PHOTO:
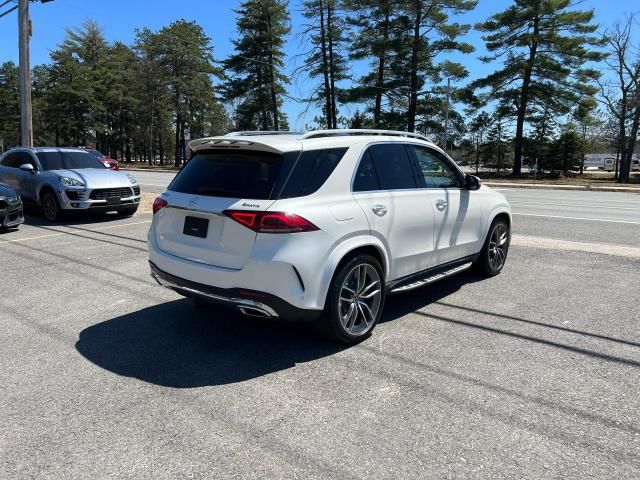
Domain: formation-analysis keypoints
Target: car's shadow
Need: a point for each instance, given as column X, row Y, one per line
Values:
column 176, row 345
column 32, row 218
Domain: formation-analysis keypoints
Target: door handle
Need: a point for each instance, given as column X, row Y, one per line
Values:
column 379, row 210
column 441, row 204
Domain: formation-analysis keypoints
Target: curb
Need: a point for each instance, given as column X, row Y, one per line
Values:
column 551, row 186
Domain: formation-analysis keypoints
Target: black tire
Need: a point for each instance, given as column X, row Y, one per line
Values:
column 496, row 245
column 128, row 211
column 335, row 309
column 50, row 206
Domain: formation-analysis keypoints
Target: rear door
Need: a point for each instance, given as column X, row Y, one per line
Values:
column 193, row 225
column 399, row 213
column 458, row 212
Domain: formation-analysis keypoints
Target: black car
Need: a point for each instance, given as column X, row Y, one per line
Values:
column 11, row 213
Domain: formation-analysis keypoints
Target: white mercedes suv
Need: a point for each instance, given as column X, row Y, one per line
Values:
column 322, row 225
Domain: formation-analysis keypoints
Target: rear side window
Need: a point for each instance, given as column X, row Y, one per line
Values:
column 311, row 171
column 393, row 166
column 234, row 174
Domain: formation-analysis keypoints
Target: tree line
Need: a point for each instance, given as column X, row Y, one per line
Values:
column 145, row 100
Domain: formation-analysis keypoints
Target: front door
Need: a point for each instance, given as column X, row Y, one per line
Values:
column 458, row 214
column 399, row 213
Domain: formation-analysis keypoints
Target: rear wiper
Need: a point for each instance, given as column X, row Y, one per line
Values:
column 216, row 191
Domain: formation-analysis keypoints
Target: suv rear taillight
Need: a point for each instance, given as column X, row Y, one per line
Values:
column 271, row 222
column 159, row 204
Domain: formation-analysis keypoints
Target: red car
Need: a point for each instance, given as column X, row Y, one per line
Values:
column 109, row 163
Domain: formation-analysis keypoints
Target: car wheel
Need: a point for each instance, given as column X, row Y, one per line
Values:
column 355, row 300
column 51, row 207
column 494, row 252
column 127, row 212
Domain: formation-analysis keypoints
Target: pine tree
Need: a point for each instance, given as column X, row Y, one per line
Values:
column 430, row 33
column 257, row 82
column 9, row 105
column 185, row 56
column 326, row 59
column 543, row 46
column 378, row 27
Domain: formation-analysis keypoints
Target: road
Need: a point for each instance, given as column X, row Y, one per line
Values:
column 568, row 215
column 531, row 374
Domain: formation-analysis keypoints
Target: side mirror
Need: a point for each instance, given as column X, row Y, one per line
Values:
column 27, row 167
column 471, row 182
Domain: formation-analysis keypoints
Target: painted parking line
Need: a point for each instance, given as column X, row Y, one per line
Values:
column 69, row 233
column 628, row 222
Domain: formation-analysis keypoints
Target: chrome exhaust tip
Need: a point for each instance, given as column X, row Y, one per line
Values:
column 254, row 312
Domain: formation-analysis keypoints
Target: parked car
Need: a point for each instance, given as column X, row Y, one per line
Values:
column 108, row 162
column 61, row 180
column 323, row 225
column 11, row 214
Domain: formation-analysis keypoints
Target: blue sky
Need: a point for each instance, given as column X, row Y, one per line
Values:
column 120, row 18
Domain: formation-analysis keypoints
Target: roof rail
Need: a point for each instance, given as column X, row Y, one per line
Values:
column 259, row 133
column 362, row 131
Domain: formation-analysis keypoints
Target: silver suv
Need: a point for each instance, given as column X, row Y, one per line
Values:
column 67, row 179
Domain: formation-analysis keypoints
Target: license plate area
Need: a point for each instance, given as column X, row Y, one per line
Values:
column 113, row 201
column 196, row 227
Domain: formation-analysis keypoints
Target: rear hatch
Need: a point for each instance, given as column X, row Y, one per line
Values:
column 193, row 226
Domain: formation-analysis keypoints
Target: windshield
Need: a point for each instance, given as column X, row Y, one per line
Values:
column 62, row 160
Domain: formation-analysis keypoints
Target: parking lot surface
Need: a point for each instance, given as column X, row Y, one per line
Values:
column 531, row 374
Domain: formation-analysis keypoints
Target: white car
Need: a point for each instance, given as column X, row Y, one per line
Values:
column 322, row 225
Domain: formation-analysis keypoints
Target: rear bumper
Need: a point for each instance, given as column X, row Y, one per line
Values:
column 250, row 302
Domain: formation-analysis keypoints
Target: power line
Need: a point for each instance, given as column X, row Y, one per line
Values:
column 8, row 11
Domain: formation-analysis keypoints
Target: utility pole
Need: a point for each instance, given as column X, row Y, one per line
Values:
column 24, row 29
column 446, row 115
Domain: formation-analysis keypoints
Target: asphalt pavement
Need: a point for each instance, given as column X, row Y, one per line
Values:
column 531, row 374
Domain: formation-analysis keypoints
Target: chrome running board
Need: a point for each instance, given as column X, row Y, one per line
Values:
column 432, row 278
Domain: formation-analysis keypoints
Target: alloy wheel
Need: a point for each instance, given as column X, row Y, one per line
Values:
column 50, row 207
column 498, row 244
column 360, row 299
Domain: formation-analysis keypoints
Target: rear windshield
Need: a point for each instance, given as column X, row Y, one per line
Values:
column 256, row 175
column 67, row 160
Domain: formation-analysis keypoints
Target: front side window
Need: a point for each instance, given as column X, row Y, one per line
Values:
column 61, row 160
column 393, row 166
column 25, row 158
column 436, row 170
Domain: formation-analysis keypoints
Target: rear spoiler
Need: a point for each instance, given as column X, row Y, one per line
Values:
column 245, row 143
